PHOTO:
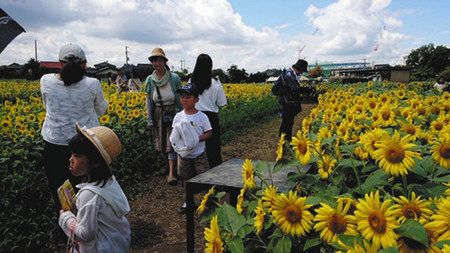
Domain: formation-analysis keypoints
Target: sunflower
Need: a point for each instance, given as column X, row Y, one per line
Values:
column 395, row 155
column 415, row 208
column 387, row 115
column 280, row 146
column 269, row 196
column 259, row 218
column 201, row 208
column 324, row 132
column 291, row 214
column 410, row 129
column 370, row 138
column 240, row 200
column 441, row 151
column 302, row 147
column 440, row 221
column 332, row 222
column 104, row 119
column 436, row 126
column 326, row 165
column 376, row 221
column 248, row 178
column 361, row 153
column 214, row 243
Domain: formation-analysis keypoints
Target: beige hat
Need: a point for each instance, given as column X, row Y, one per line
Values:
column 157, row 52
column 105, row 140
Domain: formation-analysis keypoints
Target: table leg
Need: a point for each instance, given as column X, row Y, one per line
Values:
column 190, row 236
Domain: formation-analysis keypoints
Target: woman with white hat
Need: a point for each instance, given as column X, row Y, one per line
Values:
column 162, row 104
column 69, row 97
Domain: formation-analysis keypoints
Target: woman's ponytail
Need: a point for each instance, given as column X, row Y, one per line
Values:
column 72, row 72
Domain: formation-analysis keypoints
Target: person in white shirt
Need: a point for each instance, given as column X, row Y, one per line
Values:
column 440, row 85
column 211, row 98
column 69, row 97
column 134, row 83
column 99, row 224
column 194, row 129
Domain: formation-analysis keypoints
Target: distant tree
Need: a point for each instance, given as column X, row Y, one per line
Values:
column 237, row 75
column 445, row 74
column 184, row 75
column 32, row 65
column 257, row 77
column 221, row 75
column 428, row 61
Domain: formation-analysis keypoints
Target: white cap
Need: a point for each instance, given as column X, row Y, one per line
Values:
column 71, row 50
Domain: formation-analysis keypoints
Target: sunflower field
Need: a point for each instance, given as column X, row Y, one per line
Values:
column 370, row 173
column 27, row 216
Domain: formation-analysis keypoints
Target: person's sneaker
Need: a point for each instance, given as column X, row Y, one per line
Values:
column 182, row 209
column 171, row 180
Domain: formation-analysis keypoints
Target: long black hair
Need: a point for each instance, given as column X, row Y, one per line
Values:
column 72, row 71
column 201, row 77
column 98, row 170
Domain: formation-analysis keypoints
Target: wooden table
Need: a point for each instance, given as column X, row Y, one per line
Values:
column 226, row 177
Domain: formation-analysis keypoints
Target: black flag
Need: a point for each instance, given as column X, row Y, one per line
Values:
column 9, row 29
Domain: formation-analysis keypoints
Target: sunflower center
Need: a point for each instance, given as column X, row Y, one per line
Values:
column 421, row 111
column 411, row 212
column 395, row 154
column 377, row 222
column 444, row 151
column 337, row 224
column 385, row 115
column 302, row 148
column 410, row 130
column 293, row 214
column 438, row 126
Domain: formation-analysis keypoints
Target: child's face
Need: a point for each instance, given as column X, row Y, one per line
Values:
column 188, row 101
column 78, row 164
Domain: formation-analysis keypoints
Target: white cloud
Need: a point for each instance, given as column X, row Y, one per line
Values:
column 344, row 30
column 352, row 29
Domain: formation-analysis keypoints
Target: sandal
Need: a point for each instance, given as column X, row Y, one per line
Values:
column 171, row 180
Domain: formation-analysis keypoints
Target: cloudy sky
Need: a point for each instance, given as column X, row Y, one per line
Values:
column 253, row 34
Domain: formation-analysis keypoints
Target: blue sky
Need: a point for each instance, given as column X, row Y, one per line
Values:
column 253, row 34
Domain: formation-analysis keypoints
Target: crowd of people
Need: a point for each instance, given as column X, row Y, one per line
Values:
column 183, row 120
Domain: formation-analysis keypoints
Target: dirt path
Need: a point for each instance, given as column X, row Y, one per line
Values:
column 156, row 224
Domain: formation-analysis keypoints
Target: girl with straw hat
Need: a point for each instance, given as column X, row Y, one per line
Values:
column 100, row 224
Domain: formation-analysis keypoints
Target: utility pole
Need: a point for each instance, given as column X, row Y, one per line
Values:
column 182, row 62
column 35, row 50
column 126, row 55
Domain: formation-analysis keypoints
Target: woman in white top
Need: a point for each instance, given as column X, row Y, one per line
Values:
column 69, row 97
column 212, row 96
column 440, row 85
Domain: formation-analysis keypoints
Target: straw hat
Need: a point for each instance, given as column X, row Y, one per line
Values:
column 105, row 140
column 157, row 52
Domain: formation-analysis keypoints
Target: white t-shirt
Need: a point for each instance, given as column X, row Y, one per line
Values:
column 201, row 124
column 212, row 98
column 439, row 86
column 65, row 106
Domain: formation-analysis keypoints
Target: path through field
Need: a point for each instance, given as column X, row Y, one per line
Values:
column 156, row 224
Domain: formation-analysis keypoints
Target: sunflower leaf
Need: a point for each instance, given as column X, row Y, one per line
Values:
column 283, row 245
column 413, row 230
column 311, row 243
column 430, row 189
column 236, row 245
column 441, row 244
column 389, row 250
column 230, row 218
column 374, row 180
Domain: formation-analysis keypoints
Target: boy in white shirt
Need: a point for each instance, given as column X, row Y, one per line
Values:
column 188, row 125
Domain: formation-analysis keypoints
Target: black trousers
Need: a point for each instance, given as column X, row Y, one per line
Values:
column 56, row 165
column 213, row 148
column 287, row 121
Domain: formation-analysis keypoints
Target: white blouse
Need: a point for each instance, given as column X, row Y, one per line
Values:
column 65, row 106
column 212, row 98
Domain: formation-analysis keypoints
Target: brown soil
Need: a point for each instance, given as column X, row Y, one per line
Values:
column 158, row 227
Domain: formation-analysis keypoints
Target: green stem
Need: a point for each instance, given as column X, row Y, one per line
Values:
column 434, row 171
column 405, row 185
column 357, row 176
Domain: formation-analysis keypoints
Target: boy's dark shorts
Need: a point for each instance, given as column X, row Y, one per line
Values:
column 190, row 167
